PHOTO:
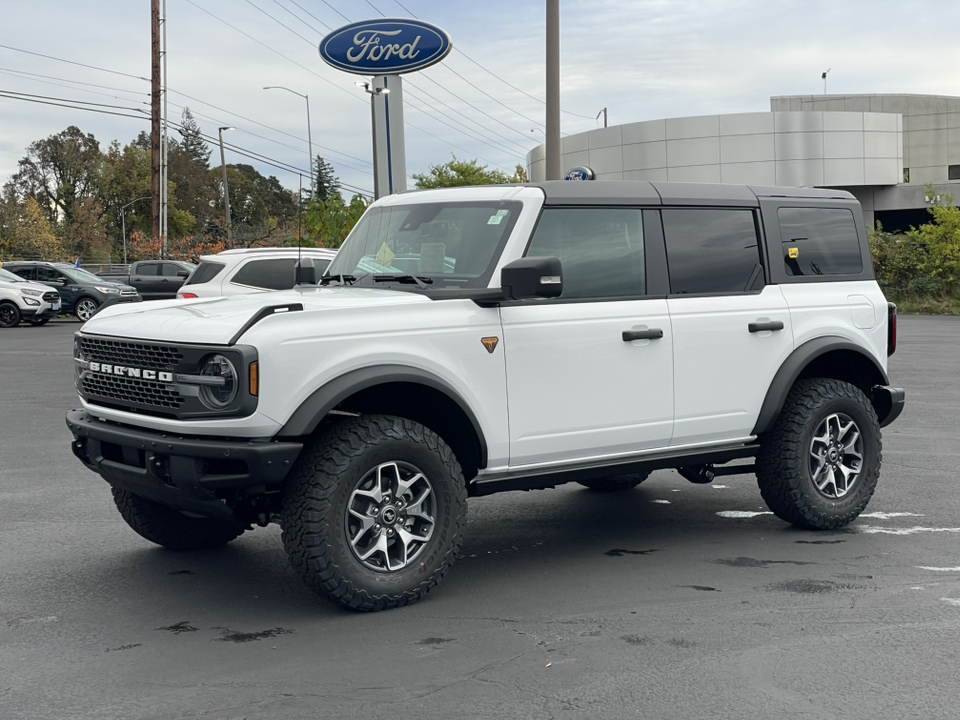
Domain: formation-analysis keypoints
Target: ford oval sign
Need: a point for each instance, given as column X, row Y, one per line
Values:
column 385, row 47
column 580, row 173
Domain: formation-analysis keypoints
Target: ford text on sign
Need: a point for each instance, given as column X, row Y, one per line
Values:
column 385, row 47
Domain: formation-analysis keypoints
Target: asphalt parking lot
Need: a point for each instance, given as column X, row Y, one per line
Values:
column 670, row 601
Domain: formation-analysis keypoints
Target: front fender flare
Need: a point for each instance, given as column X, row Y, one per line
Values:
column 794, row 365
column 324, row 399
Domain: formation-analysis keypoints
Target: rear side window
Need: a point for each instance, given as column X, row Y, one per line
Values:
column 205, row 272
column 711, row 250
column 600, row 250
column 820, row 241
column 276, row 274
column 24, row 272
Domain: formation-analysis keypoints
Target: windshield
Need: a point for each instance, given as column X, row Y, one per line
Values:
column 8, row 276
column 81, row 275
column 452, row 244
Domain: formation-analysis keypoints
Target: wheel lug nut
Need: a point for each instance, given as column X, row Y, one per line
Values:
column 376, row 527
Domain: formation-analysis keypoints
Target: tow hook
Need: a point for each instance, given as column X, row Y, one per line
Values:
column 699, row 474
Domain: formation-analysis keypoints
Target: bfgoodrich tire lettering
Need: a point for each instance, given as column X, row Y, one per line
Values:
column 615, row 483
column 355, row 487
column 818, row 466
column 170, row 528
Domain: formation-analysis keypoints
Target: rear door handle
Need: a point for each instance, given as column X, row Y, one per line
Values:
column 651, row 334
column 756, row 327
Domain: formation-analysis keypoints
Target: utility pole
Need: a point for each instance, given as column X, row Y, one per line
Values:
column 226, row 190
column 553, row 91
column 155, row 114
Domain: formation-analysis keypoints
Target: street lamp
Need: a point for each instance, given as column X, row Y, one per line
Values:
column 226, row 191
column 373, row 125
column 313, row 177
column 123, row 223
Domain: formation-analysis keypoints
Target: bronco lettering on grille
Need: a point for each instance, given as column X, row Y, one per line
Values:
column 131, row 372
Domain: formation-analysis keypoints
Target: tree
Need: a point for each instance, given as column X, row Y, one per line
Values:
column 193, row 143
column 327, row 182
column 457, row 173
column 34, row 236
column 328, row 222
column 260, row 207
column 59, row 172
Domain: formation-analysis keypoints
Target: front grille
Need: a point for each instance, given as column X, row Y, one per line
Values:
column 130, row 354
column 128, row 292
column 51, row 297
column 132, row 390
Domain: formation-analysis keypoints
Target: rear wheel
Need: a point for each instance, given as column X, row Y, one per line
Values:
column 819, row 465
column 168, row 527
column 9, row 315
column 373, row 513
column 85, row 309
column 617, row 483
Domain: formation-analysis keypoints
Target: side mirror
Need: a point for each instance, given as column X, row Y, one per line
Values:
column 305, row 272
column 532, row 277
column 182, row 273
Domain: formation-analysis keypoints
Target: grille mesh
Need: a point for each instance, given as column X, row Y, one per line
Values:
column 141, row 355
column 122, row 389
column 51, row 297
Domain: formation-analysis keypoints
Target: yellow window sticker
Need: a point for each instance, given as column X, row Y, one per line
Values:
column 793, row 253
column 386, row 255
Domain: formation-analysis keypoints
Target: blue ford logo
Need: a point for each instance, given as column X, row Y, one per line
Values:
column 580, row 173
column 385, row 47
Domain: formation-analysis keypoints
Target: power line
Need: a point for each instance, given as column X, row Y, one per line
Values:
column 92, row 67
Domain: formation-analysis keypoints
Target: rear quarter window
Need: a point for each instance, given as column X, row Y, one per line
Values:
column 819, row 241
column 205, row 272
column 273, row 274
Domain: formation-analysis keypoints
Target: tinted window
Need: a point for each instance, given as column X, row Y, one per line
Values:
column 452, row 243
column 45, row 274
column 205, row 272
column 147, row 269
column 600, row 249
column 711, row 251
column 276, row 274
column 820, row 241
column 24, row 272
column 171, row 270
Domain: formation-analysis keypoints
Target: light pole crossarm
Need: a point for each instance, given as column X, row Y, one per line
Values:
column 313, row 176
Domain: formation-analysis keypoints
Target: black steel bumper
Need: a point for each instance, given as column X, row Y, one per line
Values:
column 187, row 473
column 889, row 402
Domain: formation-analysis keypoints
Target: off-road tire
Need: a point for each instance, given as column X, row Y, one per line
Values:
column 616, row 483
column 783, row 464
column 318, row 494
column 85, row 308
column 172, row 529
column 9, row 315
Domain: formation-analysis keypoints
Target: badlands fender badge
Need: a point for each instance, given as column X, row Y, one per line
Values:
column 490, row 343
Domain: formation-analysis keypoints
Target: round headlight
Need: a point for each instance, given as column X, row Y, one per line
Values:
column 218, row 396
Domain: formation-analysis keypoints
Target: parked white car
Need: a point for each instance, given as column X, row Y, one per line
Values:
column 250, row 270
column 21, row 300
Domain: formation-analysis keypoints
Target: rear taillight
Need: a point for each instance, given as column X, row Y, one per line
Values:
column 891, row 329
column 187, row 296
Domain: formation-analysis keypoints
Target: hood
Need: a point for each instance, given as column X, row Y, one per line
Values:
column 216, row 321
column 25, row 284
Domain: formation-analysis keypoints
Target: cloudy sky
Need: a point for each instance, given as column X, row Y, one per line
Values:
column 641, row 59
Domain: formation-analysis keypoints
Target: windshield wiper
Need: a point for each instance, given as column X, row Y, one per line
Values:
column 342, row 279
column 421, row 282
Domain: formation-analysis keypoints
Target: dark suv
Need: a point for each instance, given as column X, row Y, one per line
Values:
column 81, row 292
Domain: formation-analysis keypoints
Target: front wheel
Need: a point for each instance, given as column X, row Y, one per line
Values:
column 85, row 309
column 819, row 465
column 165, row 526
column 9, row 315
column 373, row 512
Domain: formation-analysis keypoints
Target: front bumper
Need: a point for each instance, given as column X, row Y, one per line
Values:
column 195, row 474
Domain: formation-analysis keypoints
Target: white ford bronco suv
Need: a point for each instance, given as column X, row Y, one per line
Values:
column 475, row 340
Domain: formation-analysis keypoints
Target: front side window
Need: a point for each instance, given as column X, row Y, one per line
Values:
column 600, row 250
column 45, row 274
column 711, row 250
column 820, row 241
column 451, row 244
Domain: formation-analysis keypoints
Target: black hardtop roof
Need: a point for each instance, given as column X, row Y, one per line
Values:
column 642, row 192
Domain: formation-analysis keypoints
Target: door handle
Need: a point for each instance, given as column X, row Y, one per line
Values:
column 756, row 327
column 651, row 334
